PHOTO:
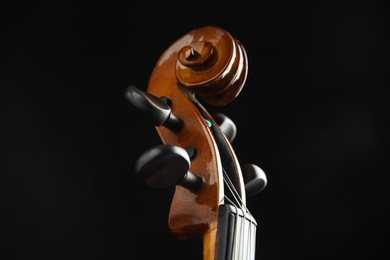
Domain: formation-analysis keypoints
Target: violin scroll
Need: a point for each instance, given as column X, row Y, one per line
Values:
column 212, row 65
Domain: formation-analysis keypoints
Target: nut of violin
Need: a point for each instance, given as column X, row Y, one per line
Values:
column 213, row 65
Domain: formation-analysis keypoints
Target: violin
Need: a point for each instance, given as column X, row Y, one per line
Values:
column 196, row 156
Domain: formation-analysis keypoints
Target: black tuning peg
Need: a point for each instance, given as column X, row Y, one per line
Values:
column 254, row 178
column 166, row 165
column 157, row 109
column 227, row 126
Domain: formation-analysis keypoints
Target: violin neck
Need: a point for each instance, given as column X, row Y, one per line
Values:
column 234, row 238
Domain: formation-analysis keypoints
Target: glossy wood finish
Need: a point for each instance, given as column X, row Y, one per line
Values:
column 210, row 62
column 213, row 65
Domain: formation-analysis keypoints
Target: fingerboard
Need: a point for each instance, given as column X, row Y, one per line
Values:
column 236, row 234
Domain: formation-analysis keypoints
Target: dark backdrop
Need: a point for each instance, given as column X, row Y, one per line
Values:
column 314, row 114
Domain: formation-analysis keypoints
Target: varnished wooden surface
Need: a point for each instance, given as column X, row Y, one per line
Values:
column 194, row 214
column 212, row 64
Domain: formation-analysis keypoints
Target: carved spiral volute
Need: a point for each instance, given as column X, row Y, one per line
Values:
column 213, row 65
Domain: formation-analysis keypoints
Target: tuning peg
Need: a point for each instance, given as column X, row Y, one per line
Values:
column 254, row 178
column 227, row 126
column 166, row 165
column 157, row 109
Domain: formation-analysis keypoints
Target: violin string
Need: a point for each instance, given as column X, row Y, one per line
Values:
column 233, row 190
column 236, row 251
column 236, row 201
column 235, row 204
column 237, row 240
column 245, row 237
column 253, row 241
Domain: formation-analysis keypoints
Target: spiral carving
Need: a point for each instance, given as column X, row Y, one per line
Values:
column 213, row 65
column 199, row 56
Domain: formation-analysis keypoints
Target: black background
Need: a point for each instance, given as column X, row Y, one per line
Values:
column 314, row 114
